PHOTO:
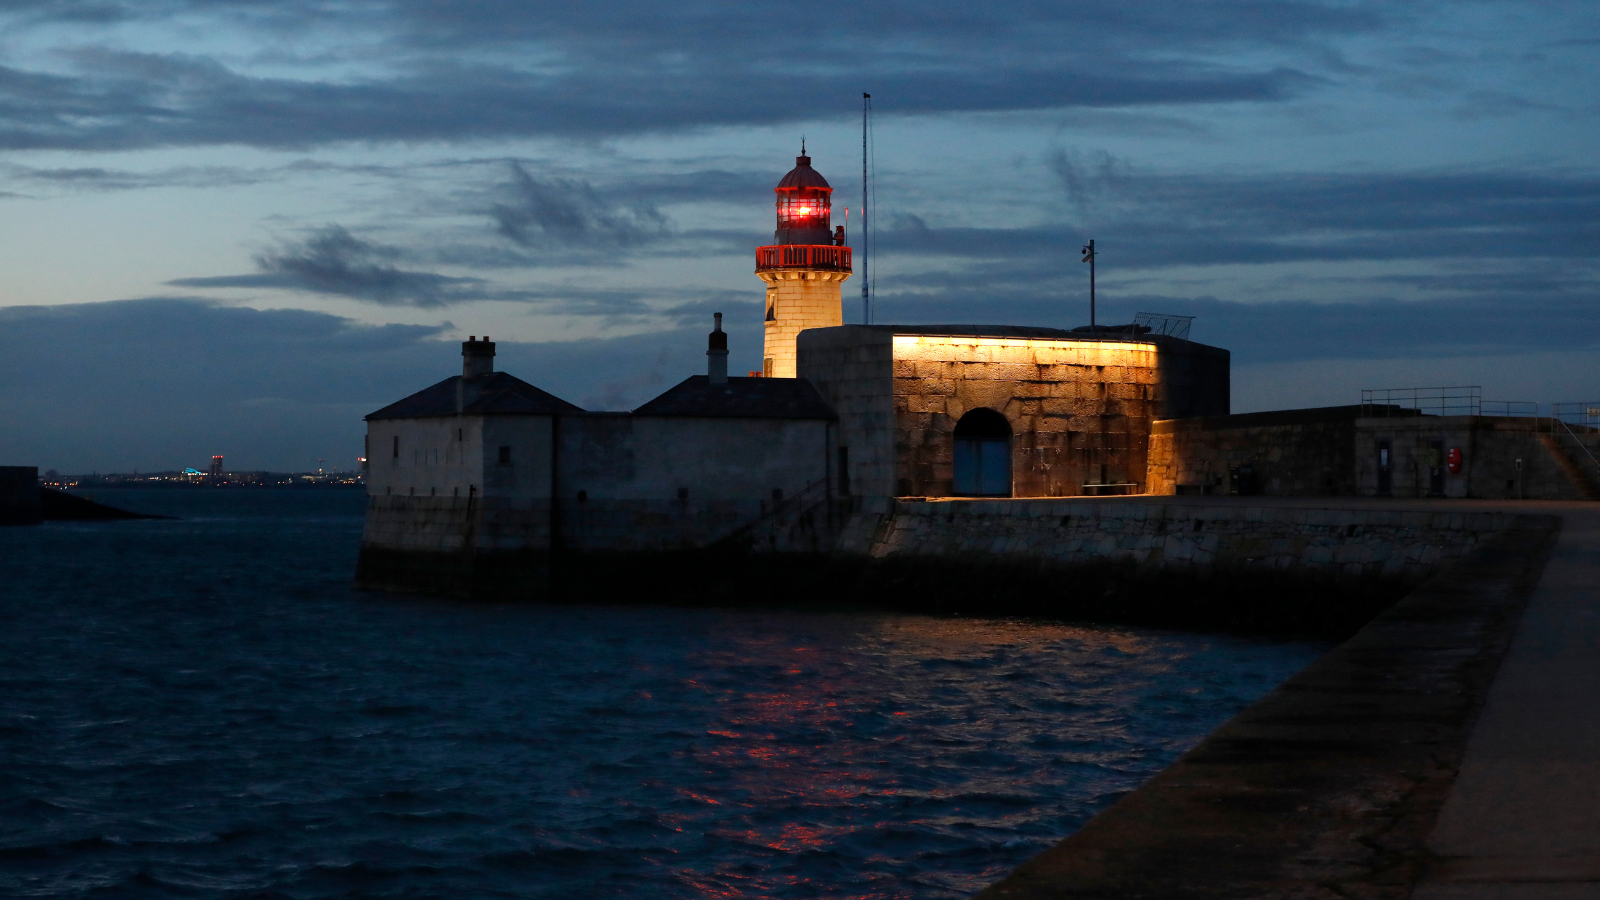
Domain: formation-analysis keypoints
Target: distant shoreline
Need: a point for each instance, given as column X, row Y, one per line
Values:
column 191, row 486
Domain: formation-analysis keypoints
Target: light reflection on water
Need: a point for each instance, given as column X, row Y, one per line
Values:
column 204, row 708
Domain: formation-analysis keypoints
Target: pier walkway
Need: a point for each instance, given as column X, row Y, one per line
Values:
column 1523, row 818
column 1448, row 751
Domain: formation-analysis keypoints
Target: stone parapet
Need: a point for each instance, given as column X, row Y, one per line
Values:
column 1343, row 545
column 1330, row 785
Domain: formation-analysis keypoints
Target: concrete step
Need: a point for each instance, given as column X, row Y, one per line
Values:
column 1575, row 464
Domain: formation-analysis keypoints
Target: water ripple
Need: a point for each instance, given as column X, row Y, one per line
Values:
column 203, row 708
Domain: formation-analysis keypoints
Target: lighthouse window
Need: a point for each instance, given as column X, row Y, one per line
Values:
column 505, row 456
column 800, row 211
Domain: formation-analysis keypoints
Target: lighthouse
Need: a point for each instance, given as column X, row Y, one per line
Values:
column 804, row 268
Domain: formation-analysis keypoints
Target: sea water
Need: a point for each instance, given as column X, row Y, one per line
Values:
column 205, row 708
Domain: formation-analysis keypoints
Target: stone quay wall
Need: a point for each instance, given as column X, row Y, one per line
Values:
column 456, row 524
column 1343, row 544
column 1230, row 566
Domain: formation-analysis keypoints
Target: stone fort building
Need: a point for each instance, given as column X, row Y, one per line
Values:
column 483, row 474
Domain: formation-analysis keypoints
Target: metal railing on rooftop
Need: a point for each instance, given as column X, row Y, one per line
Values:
column 1570, row 424
column 1458, row 400
column 1581, row 415
column 1161, row 323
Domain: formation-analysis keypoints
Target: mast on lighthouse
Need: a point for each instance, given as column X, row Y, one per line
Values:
column 806, row 267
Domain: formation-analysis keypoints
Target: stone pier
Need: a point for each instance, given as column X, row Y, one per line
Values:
column 1445, row 752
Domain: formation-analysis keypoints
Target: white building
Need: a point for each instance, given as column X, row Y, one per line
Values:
column 484, row 472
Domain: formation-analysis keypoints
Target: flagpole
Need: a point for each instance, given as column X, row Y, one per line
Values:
column 1088, row 257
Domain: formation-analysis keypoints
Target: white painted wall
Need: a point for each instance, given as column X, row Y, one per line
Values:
column 437, row 457
column 651, row 457
column 527, row 476
column 609, row 456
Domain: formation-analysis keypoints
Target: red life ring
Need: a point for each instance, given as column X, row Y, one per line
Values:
column 1452, row 460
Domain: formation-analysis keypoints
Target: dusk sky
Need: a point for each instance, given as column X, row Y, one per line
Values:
column 237, row 227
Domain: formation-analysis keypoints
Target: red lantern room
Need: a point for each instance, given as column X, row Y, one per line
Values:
column 804, row 206
column 805, row 238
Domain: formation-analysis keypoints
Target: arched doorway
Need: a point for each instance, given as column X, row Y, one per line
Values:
column 983, row 455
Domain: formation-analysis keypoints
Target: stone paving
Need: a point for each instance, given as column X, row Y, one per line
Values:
column 1449, row 751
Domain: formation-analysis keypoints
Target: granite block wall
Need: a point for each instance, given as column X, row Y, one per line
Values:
column 1291, row 453
column 1491, row 447
column 1334, row 451
column 853, row 367
column 1349, row 547
column 1079, row 411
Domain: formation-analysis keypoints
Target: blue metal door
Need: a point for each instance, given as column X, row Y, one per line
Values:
column 982, row 468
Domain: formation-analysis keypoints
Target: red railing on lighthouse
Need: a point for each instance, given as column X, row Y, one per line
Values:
column 803, row 256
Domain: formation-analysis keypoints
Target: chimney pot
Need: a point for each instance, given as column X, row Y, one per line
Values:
column 477, row 357
column 717, row 354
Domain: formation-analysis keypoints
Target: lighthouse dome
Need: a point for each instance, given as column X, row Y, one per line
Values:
column 803, row 176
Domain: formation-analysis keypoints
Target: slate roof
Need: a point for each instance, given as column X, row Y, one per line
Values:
column 495, row 394
column 746, row 398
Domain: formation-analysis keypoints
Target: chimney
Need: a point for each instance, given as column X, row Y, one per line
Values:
column 717, row 355
column 477, row 357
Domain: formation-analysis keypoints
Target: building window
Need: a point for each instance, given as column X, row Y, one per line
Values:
column 505, row 456
column 983, row 455
column 458, row 435
column 397, row 446
column 683, row 493
column 844, row 471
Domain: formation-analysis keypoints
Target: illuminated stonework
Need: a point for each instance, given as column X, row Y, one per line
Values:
column 797, row 300
column 1078, row 412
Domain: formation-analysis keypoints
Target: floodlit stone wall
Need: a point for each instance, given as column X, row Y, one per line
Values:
column 1294, row 453
column 1080, row 411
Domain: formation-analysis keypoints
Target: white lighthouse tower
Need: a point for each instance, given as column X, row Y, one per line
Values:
column 805, row 269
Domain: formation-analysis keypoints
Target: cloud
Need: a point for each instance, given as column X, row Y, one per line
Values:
column 571, row 213
column 497, row 70
column 333, row 261
column 1148, row 220
column 100, row 178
